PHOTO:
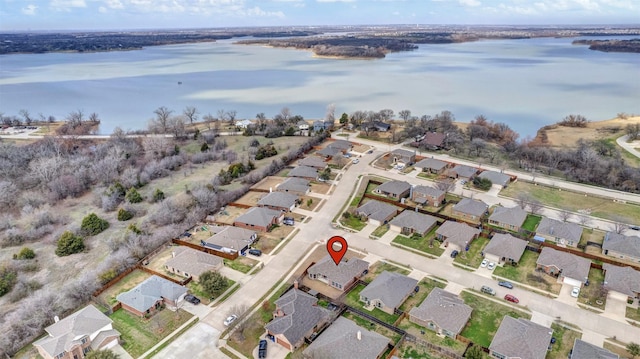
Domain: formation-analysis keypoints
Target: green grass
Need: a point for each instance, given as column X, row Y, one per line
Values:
column 353, row 299
column 429, row 336
column 633, row 313
column 241, row 264
column 353, row 222
column 593, row 294
column 531, row 223
column 525, row 273
column 421, row 243
column 428, row 175
column 128, row 282
column 472, row 258
column 139, row 335
column 565, row 338
column 486, row 318
column 205, row 297
column 380, row 231
column 356, row 201
column 380, row 267
column 426, row 286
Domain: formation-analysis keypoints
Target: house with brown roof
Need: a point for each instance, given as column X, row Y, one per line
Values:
column 621, row 246
column 568, row 268
column 376, row 212
column 151, row 295
column 305, row 172
column 403, row 156
column 563, row 233
column 230, row 239
column 431, row 165
column 431, row 141
column 584, row 350
column 295, row 185
column 429, row 196
column 296, row 317
column 388, row 291
column 456, row 234
column 339, row 276
column 510, row 219
column 346, row 339
column 313, row 161
column 410, row 222
column 394, row 189
column 520, row 339
column 504, row 248
column 471, row 209
column 462, row 172
column 622, row 279
column 188, row 262
column 443, row 312
column 259, row 219
column 74, row 336
column 279, row 201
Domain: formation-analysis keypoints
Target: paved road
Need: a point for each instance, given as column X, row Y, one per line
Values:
column 629, row 146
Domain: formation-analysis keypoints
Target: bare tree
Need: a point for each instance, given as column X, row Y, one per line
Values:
column 93, row 117
column 535, row 206
column 584, row 220
column 619, row 227
column 404, row 114
column 162, row 117
column 523, row 200
column 231, row 115
column 191, row 113
column 221, row 115
column 565, row 215
column 26, row 116
column 331, row 113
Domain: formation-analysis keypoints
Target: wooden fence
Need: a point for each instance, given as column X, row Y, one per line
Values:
column 222, row 254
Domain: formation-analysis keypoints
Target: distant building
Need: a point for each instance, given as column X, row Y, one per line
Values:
column 305, row 172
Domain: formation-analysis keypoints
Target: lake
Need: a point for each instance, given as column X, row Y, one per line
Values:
column 524, row 83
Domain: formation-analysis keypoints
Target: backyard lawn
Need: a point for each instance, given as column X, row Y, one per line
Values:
column 198, row 291
column 426, row 285
column 431, row 337
column 353, row 299
column 421, row 243
column 241, row 264
column 531, row 223
column 525, row 272
column 486, row 318
column 594, row 295
column 472, row 258
column 565, row 338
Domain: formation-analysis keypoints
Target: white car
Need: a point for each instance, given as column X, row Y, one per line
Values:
column 484, row 263
column 230, row 319
column 355, row 160
column 575, row 292
column 491, row 266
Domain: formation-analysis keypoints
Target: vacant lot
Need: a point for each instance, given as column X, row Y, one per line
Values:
column 128, row 282
column 525, row 272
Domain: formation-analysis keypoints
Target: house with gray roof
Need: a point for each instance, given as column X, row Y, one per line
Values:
column 230, row 239
column 496, row 178
column 409, row 222
column 346, row 339
column 431, row 165
column 188, row 262
column 622, row 279
column 584, row 350
column 376, row 212
column 443, row 312
column 295, row 185
column 296, row 317
column 77, row 334
column 403, row 156
column 456, row 234
column 394, row 189
column 388, row 291
column 313, row 161
column 426, row 195
column 339, row 276
column 279, row 201
column 510, row 219
column 471, row 209
column 621, row 246
column 463, row 172
column 150, row 295
column 563, row 233
column 520, row 339
column 305, row 172
column 259, row 219
column 504, row 248
column 329, row 152
column 569, row 268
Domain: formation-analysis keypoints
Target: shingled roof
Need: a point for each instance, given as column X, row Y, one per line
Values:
column 464, row 171
column 192, row 261
column 628, row 245
column 146, row 294
column 427, row 191
column 377, row 210
column 390, row 288
column 584, row 350
column 312, row 161
column 295, row 184
column 345, row 339
column 259, row 216
column 458, row 233
column 278, row 199
column 507, row 246
column 303, row 171
column 417, row 221
column 230, row 237
column 394, row 187
column 342, row 273
column 514, row 216
column 431, row 163
column 521, row 338
column 555, row 228
column 625, row 280
column 571, row 265
column 446, row 309
column 496, row 177
column 471, row 206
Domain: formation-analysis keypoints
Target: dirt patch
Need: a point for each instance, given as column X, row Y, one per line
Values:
column 321, row 188
column 229, row 214
column 267, row 183
column 312, row 201
column 251, row 198
column 361, row 148
column 569, row 136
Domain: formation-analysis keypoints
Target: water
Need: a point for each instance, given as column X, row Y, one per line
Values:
column 524, row 83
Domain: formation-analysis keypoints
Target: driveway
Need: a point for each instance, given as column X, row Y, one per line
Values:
column 565, row 295
column 201, row 341
column 616, row 306
column 274, row 351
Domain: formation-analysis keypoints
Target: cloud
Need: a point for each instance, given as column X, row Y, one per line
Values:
column 29, row 9
column 114, row 4
column 336, row 0
column 258, row 12
column 470, row 3
column 66, row 5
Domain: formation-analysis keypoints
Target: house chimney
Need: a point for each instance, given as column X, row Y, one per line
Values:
column 359, row 335
column 56, row 319
column 295, row 284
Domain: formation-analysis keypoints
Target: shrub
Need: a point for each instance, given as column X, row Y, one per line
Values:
column 213, row 282
column 69, row 244
column 204, row 147
column 92, row 224
column 124, row 215
column 25, row 253
column 133, row 196
column 8, row 277
column 106, row 276
column 482, row 183
column 158, row 195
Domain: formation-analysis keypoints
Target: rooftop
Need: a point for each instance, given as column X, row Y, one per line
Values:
column 521, row 338
column 278, row 199
column 345, row 339
column 431, row 163
column 390, row 288
column 342, row 273
column 496, row 177
column 514, row 216
column 629, row 245
column 259, row 216
column 458, row 233
column 377, row 210
column 625, row 280
column 417, row 221
column 559, row 229
column 303, row 171
column 571, row 265
column 146, row 294
column 506, row 245
column 394, row 187
column 471, row 206
column 192, row 261
column 446, row 309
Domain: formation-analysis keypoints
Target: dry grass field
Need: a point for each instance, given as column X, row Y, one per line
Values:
column 267, row 183
column 251, row 198
column 569, row 136
column 229, row 214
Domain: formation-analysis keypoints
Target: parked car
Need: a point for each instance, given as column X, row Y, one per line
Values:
column 347, row 155
column 487, row 290
column 192, row 299
column 454, row 253
column 484, row 263
column 635, row 228
column 575, row 292
column 506, row 284
column 262, row 349
column 511, row 298
column 289, row 221
column 355, row 161
column 230, row 319
column 370, row 151
column 491, row 266
column 255, row 252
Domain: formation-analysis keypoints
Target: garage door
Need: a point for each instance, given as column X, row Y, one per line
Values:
column 617, row 295
column 572, row 282
column 492, row 258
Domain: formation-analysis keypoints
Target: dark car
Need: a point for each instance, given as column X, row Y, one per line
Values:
column 454, row 253
column 289, row 221
column 255, row 252
column 192, row 299
column 635, row 228
column 511, row 298
column 506, row 284
column 262, row 349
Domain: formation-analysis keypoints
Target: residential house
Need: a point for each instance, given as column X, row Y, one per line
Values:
column 313, row 161
column 376, row 212
column 339, row 276
column 149, row 296
column 296, row 317
column 230, row 239
column 388, row 291
column 329, row 152
column 377, row 126
column 259, row 219
column 623, row 280
column 443, row 312
column 433, row 141
column 188, row 262
column 346, row 339
column 563, row 233
column 504, row 248
column 429, row 196
column 456, row 234
column 403, row 156
column 74, row 336
column 520, row 339
column 305, row 172
column 394, row 189
column 243, row 124
column 295, row 185
column 569, row 268
column 621, row 246
column 471, row 209
column 431, row 165
column 343, row 145
column 409, row 222
column 279, row 201
column 496, row 178
column 322, row 125
column 463, row 172
column 510, row 219
column 302, row 126
column 584, row 350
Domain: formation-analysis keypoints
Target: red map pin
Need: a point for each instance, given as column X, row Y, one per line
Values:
column 337, row 255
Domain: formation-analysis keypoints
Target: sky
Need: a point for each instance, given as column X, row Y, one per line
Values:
column 19, row 15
